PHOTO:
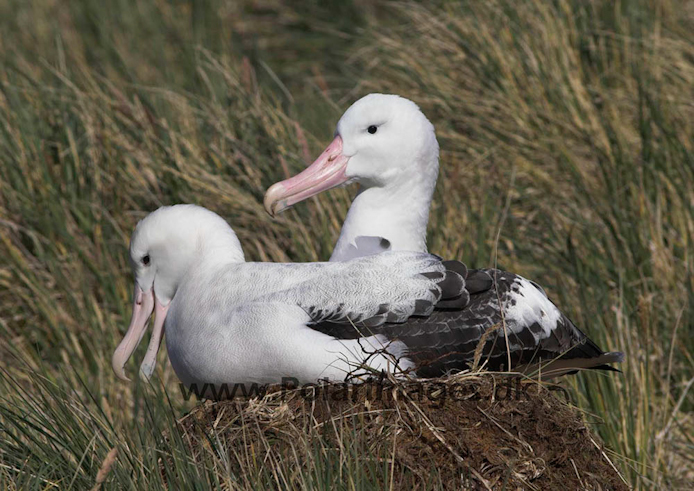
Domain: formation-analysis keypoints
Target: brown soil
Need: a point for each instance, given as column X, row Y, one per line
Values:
column 476, row 432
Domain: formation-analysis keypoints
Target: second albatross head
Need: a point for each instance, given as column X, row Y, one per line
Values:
column 165, row 246
column 382, row 140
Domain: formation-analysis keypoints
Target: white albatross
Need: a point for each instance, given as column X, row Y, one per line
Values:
column 385, row 143
column 228, row 321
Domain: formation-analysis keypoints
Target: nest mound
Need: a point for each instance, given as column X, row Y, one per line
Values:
column 475, row 432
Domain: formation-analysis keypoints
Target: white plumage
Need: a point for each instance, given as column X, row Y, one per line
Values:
column 228, row 321
column 385, row 143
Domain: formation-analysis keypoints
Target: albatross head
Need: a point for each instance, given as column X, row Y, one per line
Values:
column 164, row 247
column 381, row 141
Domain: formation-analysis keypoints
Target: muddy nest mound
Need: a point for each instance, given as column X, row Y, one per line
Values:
column 475, row 431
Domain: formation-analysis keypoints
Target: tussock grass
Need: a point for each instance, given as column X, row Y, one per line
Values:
column 565, row 129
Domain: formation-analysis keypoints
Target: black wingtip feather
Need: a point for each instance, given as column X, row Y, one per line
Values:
column 608, row 368
column 458, row 302
column 457, row 267
column 453, row 285
column 478, row 281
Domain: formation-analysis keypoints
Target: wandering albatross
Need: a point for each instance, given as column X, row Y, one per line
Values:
column 387, row 145
column 234, row 322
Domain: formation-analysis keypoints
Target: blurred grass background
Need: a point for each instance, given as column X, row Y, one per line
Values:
column 567, row 125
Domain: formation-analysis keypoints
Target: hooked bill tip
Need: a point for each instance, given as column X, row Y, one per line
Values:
column 120, row 373
column 273, row 202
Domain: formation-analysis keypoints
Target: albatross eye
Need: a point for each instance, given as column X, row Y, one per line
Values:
column 372, row 129
column 145, row 260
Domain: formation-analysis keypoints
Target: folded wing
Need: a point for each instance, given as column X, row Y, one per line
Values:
column 370, row 291
column 506, row 318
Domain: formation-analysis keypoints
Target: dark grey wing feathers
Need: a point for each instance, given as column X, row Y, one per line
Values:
column 478, row 281
column 447, row 339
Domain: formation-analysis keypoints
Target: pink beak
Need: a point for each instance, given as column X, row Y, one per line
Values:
column 144, row 304
column 325, row 173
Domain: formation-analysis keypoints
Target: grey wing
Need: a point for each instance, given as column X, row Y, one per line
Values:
column 442, row 342
column 514, row 320
column 512, row 315
column 369, row 291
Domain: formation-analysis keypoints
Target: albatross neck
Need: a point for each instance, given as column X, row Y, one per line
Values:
column 398, row 212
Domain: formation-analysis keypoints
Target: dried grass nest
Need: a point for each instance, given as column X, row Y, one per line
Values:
column 472, row 431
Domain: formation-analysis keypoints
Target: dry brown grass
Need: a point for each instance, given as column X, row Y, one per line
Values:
column 470, row 431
